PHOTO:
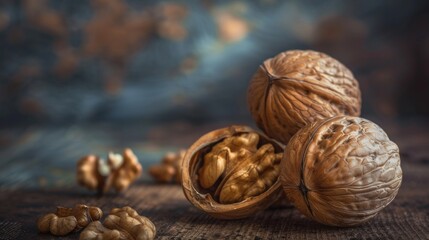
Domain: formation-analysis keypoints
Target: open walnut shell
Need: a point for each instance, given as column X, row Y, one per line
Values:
column 233, row 172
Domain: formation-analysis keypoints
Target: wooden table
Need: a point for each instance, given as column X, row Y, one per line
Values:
column 36, row 175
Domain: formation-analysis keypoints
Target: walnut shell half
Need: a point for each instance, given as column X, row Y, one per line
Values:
column 232, row 173
column 341, row 171
column 298, row 87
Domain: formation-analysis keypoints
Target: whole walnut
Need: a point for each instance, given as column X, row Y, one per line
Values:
column 298, row 87
column 341, row 171
column 232, row 173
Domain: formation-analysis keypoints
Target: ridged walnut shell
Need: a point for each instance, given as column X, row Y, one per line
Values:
column 341, row 171
column 204, row 199
column 298, row 87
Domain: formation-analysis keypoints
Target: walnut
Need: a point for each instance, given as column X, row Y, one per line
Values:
column 55, row 225
column 125, row 172
column 118, row 172
column 341, row 171
column 298, row 87
column 232, row 172
column 66, row 220
column 162, row 173
column 122, row 224
column 96, row 231
column 169, row 168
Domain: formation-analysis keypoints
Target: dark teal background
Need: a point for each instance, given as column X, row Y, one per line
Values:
column 73, row 62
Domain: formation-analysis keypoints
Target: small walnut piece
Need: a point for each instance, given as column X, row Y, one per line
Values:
column 162, row 173
column 89, row 169
column 118, row 172
column 341, row 171
column 66, row 220
column 58, row 226
column 232, row 172
column 298, row 87
column 169, row 168
column 96, row 231
column 124, row 171
column 121, row 224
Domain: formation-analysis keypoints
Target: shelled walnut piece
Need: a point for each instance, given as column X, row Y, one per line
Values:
column 169, row 168
column 341, row 171
column 121, row 224
column 232, row 172
column 66, row 220
column 118, row 172
column 298, row 87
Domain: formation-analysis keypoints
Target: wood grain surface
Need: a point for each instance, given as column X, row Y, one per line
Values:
column 407, row 217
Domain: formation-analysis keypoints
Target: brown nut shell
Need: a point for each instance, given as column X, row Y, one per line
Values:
column 298, row 87
column 205, row 199
column 341, row 171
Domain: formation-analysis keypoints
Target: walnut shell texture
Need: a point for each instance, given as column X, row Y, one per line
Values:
column 298, row 87
column 232, row 173
column 341, row 171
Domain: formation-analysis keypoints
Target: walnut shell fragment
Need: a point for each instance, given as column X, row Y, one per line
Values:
column 298, row 87
column 232, row 173
column 341, row 171
column 121, row 224
column 66, row 220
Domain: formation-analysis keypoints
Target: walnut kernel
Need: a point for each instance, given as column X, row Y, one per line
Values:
column 66, row 220
column 169, row 168
column 121, row 224
column 118, row 172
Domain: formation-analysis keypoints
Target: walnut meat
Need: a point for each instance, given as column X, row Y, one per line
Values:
column 66, row 220
column 341, row 171
column 125, row 171
column 232, row 172
column 118, row 172
column 298, row 87
column 58, row 226
column 121, row 224
column 169, row 168
column 96, row 231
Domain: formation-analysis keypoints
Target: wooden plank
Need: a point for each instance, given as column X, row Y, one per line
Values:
column 405, row 218
column 37, row 174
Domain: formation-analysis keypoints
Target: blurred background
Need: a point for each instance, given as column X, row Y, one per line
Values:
column 88, row 76
column 67, row 62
